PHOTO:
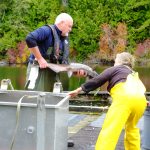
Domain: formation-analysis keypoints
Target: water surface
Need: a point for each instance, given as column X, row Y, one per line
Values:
column 17, row 75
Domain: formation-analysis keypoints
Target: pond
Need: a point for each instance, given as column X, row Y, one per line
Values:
column 17, row 75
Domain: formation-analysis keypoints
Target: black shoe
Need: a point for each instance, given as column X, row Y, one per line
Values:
column 70, row 143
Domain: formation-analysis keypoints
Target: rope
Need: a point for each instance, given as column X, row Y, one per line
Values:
column 17, row 118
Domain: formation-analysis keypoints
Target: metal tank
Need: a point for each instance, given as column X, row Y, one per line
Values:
column 31, row 120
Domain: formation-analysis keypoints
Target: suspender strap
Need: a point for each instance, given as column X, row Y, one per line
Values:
column 56, row 51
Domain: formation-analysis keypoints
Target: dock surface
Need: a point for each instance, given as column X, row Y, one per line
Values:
column 84, row 129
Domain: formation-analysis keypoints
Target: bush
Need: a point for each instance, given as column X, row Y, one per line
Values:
column 18, row 17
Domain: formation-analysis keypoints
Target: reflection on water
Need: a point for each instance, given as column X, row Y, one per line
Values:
column 17, row 74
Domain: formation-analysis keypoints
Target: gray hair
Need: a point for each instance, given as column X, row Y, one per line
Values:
column 125, row 58
column 63, row 17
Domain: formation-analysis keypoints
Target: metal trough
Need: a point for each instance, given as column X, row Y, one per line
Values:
column 37, row 122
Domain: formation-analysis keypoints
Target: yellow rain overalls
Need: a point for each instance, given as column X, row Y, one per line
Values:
column 125, row 112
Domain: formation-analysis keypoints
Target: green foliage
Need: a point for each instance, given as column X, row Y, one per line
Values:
column 18, row 17
column 89, row 15
column 22, row 17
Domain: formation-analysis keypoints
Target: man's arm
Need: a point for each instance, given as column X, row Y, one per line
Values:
column 42, row 62
column 32, row 40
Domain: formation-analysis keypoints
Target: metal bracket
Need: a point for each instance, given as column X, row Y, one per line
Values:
column 5, row 83
column 41, row 101
column 41, row 116
column 57, row 87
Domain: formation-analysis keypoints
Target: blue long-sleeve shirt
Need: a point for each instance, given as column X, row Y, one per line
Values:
column 43, row 38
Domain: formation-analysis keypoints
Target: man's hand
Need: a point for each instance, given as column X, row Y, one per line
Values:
column 80, row 73
column 42, row 63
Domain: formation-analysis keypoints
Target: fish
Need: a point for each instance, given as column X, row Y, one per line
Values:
column 71, row 68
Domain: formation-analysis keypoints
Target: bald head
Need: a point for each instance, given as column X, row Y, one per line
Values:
column 63, row 17
column 64, row 22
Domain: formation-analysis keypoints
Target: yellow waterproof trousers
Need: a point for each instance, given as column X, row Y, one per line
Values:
column 125, row 112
